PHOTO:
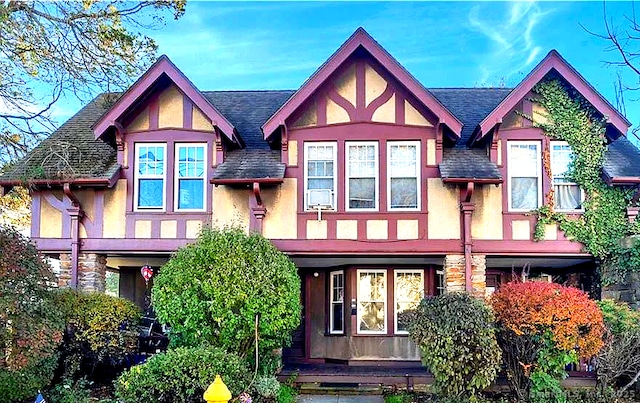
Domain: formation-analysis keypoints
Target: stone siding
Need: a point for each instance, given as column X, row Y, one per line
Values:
column 92, row 269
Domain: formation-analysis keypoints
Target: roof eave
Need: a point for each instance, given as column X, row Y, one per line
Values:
column 488, row 181
column 246, row 181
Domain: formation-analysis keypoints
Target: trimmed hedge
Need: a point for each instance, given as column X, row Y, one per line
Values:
column 182, row 375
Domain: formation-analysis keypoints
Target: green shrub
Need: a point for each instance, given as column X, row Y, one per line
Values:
column 100, row 329
column 456, row 336
column 182, row 375
column 617, row 362
column 286, row 394
column 211, row 291
column 70, row 392
column 267, row 387
column 30, row 325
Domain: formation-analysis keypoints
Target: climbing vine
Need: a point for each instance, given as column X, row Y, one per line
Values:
column 603, row 225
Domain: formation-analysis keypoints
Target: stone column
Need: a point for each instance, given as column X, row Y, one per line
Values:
column 454, row 273
column 479, row 275
column 92, row 269
column 64, row 277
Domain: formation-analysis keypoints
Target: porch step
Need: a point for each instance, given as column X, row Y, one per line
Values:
column 336, row 388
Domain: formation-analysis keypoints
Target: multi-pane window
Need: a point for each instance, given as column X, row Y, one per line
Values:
column 336, row 313
column 403, row 174
column 372, row 298
column 190, row 175
column 320, row 175
column 567, row 195
column 150, row 184
column 525, row 187
column 409, row 290
column 362, row 175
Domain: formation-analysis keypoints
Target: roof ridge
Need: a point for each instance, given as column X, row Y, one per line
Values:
column 218, row 91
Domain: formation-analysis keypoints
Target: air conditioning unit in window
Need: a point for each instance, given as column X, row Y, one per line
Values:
column 320, row 199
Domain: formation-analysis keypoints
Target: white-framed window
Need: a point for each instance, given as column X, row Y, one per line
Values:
column 362, row 175
column 524, row 175
column 150, row 185
column 190, row 190
column 408, row 291
column 403, row 175
column 320, row 176
column 336, row 310
column 567, row 195
column 441, row 287
column 372, row 301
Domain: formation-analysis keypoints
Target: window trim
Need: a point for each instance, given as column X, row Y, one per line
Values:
column 510, row 175
column 308, row 144
column 551, row 158
column 417, row 145
column 137, row 177
column 395, row 294
column 347, row 176
column 176, row 185
column 385, row 301
column 332, row 302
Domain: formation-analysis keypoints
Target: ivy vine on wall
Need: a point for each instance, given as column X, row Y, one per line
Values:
column 603, row 225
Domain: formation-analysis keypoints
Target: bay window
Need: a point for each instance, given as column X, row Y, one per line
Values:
column 524, row 172
column 320, row 175
column 362, row 175
column 190, row 170
column 403, row 182
column 408, row 291
column 567, row 195
column 150, row 176
column 372, row 301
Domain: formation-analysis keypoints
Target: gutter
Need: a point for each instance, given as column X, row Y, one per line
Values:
column 246, row 181
column 489, row 181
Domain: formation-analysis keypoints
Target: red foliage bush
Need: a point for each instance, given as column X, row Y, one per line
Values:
column 534, row 308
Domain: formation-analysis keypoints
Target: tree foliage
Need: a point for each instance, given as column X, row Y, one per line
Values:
column 542, row 327
column 30, row 324
column 211, row 291
column 68, row 48
column 456, row 336
column 99, row 329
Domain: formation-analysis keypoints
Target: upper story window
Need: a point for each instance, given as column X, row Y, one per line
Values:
column 567, row 195
column 525, row 175
column 362, row 175
column 150, row 182
column 190, row 175
column 403, row 185
column 320, row 175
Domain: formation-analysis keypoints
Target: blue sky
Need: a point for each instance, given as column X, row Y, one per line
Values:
column 266, row 45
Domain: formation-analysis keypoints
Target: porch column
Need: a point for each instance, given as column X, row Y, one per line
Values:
column 455, row 278
column 92, row 269
column 454, row 274
column 478, row 275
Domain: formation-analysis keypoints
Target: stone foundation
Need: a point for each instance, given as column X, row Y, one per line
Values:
column 92, row 269
column 626, row 291
column 454, row 276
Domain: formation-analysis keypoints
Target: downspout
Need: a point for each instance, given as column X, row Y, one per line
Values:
column 76, row 214
column 467, row 207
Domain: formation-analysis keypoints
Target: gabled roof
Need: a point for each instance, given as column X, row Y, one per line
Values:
column 553, row 61
column 163, row 66
column 361, row 38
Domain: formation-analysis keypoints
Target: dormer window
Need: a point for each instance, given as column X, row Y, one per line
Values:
column 150, row 182
column 567, row 195
column 190, row 189
column 320, row 175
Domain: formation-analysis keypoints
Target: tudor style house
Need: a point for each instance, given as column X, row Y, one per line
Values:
column 380, row 190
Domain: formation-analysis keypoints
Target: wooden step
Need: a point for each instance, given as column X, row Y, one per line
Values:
column 335, row 388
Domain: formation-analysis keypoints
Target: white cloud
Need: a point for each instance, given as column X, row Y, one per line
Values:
column 512, row 42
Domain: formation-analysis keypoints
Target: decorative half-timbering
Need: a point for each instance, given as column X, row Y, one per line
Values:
column 380, row 190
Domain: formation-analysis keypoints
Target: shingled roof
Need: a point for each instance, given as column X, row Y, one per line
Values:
column 470, row 105
column 72, row 152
